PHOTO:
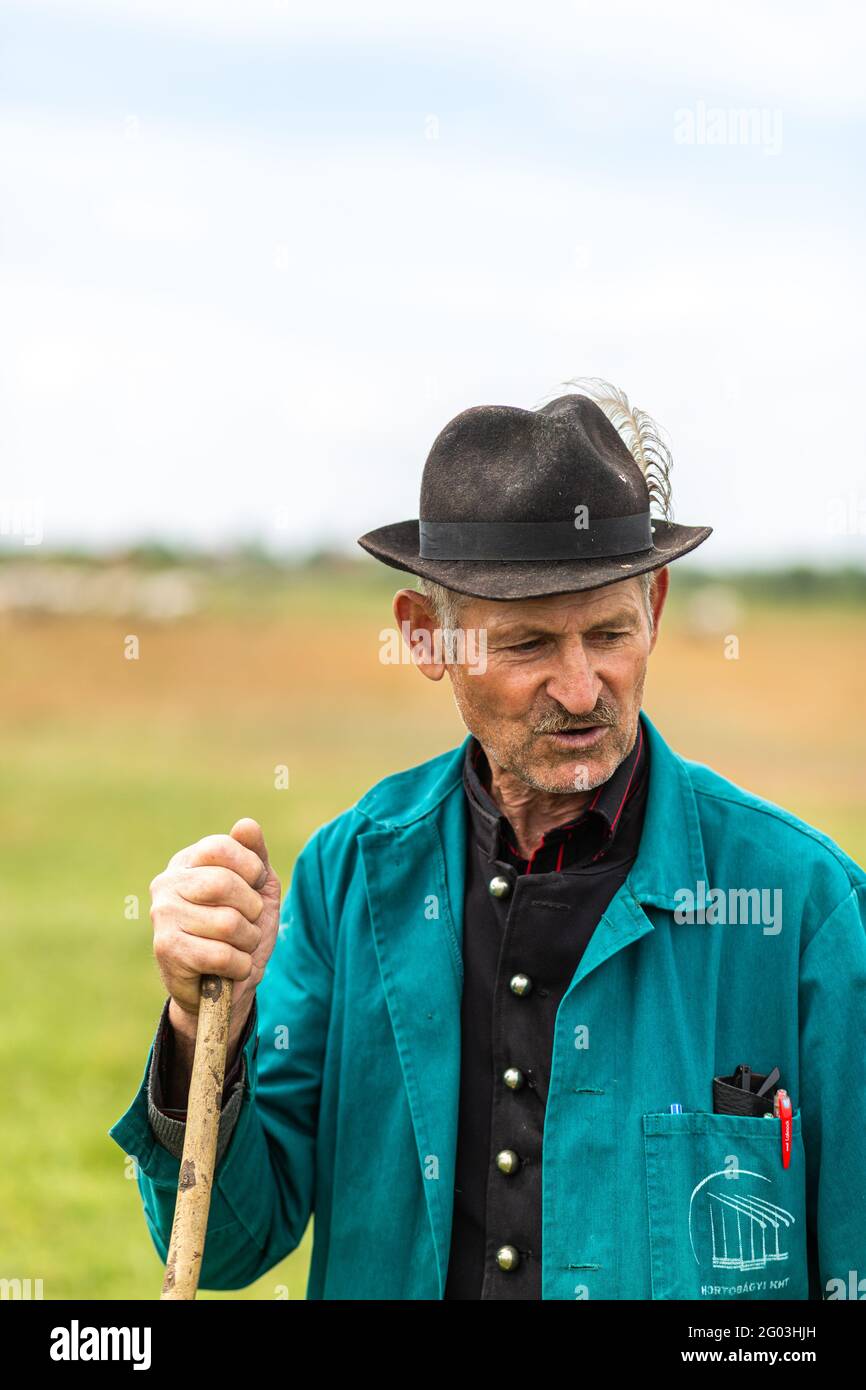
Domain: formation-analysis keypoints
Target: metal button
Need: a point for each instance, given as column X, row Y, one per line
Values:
column 499, row 886
column 520, row 984
column 507, row 1161
column 513, row 1078
column 507, row 1257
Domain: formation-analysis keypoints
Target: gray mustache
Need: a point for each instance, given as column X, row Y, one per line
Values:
column 603, row 714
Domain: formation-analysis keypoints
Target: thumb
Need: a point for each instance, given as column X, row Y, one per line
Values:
column 248, row 833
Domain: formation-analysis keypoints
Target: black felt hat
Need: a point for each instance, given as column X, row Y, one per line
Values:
column 520, row 503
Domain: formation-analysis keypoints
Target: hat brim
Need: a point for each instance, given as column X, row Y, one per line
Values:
column 398, row 544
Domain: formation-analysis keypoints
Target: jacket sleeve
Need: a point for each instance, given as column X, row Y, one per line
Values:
column 262, row 1195
column 833, row 1095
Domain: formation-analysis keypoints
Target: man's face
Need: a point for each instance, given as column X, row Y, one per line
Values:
column 557, row 705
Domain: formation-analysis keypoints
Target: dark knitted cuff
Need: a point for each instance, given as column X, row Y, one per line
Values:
column 169, row 1124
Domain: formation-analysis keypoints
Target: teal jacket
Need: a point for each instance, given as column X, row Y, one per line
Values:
column 350, row 1111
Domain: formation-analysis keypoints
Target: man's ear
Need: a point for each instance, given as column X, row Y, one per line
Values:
column 658, row 596
column 418, row 625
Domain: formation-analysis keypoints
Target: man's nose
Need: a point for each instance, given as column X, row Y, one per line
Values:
column 575, row 684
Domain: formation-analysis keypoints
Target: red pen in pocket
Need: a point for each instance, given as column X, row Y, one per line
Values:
column 783, row 1110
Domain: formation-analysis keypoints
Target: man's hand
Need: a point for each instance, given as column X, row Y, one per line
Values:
column 215, row 911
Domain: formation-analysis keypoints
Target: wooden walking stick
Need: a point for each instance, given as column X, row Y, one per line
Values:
column 189, row 1229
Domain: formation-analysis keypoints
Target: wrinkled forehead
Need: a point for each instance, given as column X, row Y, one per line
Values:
column 555, row 611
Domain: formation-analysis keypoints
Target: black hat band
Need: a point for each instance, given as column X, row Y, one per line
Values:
column 535, row 540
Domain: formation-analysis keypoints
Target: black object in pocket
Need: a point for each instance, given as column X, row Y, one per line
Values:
column 731, row 1098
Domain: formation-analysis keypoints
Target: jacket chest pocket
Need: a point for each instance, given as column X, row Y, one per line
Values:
column 726, row 1220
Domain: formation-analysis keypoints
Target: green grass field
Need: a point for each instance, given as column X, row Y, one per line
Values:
column 109, row 766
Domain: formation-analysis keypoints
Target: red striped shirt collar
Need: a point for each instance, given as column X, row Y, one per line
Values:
column 495, row 835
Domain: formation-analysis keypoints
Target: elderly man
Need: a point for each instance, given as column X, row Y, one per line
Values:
column 556, row 1014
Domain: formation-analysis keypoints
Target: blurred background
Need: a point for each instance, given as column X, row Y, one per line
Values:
column 253, row 259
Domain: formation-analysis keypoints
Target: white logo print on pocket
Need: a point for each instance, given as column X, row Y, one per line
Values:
column 737, row 1229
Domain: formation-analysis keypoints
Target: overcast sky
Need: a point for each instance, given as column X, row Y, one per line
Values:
column 256, row 254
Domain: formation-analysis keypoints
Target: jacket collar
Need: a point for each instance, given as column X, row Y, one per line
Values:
column 671, row 854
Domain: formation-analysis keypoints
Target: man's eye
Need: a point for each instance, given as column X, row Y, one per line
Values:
column 609, row 636
column 526, row 646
